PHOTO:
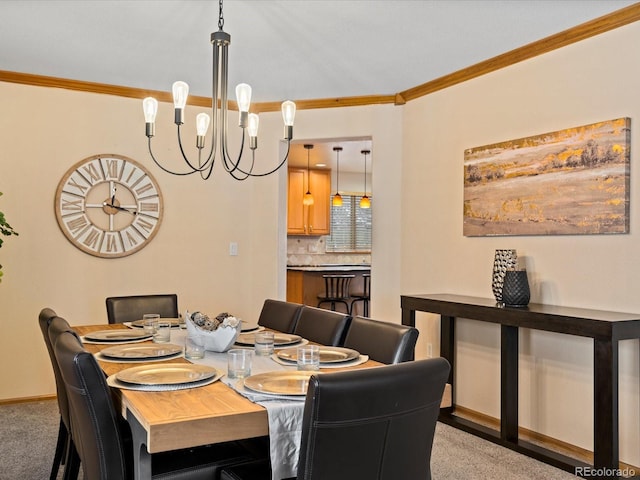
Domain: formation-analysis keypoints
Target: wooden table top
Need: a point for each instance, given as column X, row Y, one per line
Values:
column 185, row 418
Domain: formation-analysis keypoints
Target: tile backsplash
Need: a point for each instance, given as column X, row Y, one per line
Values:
column 312, row 251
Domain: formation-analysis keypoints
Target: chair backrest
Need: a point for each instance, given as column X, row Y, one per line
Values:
column 337, row 286
column 131, row 308
column 52, row 326
column 95, row 425
column 383, row 341
column 322, row 326
column 279, row 315
column 372, row 424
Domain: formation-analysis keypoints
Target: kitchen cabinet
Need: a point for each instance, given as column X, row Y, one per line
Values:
column 309, row 219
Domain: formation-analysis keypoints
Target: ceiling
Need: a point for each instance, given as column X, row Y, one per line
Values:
column 285, row 49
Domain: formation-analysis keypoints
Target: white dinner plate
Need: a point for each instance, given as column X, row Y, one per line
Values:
column 327, row 354
column 166, row 374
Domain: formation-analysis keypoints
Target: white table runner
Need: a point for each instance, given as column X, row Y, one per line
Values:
column 284, row 412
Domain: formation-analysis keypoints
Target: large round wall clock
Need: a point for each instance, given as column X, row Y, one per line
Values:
column 108, row 206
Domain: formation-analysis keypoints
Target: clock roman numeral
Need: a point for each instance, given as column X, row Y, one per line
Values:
column 111, row 243
column 91, row 239
column 149, row 207
column 144, row 225
column 73, row 183
column 111, row 168
column 77, row 224
column 71, row 204
column 92, row 172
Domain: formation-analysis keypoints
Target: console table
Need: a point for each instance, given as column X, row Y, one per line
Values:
column 605, row 328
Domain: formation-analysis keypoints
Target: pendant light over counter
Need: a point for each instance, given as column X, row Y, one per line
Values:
column 365, row 202
column 308, row 198
column 337, row 198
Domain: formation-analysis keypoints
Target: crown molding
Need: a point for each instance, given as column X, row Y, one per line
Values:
column 603, row 24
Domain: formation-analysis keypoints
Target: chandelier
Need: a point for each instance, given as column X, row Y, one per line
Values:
column 219, row 107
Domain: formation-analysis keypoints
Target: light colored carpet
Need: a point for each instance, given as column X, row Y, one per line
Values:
column 28, row 433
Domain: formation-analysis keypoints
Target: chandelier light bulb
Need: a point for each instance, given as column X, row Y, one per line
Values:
column 202, row 124
column 150, row 109
column 243, row 97
column 180, row 94
column 288, row 113
column 337, row 200
column 365, row 202
column 252, row 127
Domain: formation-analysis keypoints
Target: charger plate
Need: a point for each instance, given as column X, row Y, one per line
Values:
column 175, row 322
column 139, row 352
column 279, row 339
column 327, row 354
column 166, row 374
column 280, row 382
column 117, row 335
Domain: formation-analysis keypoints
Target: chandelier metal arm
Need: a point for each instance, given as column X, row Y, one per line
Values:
column 164, row 168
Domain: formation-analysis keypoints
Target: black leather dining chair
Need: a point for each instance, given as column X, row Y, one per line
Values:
column 64, row 444
column 366, row 424
column 322, row 326
column 103, row 438
column 384, row 342
column 279, row 315
column 133, row 307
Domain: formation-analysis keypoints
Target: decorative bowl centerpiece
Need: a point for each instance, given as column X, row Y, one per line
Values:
column 219, row 333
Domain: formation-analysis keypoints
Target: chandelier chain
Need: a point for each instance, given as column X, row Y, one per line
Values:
column 220, row 16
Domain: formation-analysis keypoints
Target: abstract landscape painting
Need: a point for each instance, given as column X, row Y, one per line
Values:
column 570, row 182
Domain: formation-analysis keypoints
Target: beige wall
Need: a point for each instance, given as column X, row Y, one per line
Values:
column 417, row 233
column 587, row 82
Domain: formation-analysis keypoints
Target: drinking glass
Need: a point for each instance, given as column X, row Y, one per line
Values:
column 149, row 321
column 239, row 363
column 194, row 347
column 264, row 343
column 309, row 357
column 163, row 331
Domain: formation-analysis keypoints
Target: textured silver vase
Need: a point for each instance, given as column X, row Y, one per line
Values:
column 505, row 259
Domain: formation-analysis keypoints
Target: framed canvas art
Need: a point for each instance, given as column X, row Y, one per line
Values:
column 570, row 182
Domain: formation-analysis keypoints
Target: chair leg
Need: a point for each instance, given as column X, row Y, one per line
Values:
column 59, row 456
column 72, row 463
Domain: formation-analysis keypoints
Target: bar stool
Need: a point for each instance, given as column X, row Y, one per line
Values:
column 363, row 296
column 336, row 291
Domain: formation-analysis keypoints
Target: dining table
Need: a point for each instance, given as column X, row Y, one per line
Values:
column 220, row 411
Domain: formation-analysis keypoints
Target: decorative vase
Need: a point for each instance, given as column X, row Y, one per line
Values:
column 515, row 290
column 504, row 260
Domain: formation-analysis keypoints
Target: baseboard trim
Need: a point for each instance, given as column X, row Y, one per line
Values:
column 39, row 398
column 535, row 437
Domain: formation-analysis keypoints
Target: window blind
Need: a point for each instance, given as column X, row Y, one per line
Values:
column 350, row 226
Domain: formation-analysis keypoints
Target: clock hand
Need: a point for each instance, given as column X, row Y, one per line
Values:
column 113, row 196
column 122, row 209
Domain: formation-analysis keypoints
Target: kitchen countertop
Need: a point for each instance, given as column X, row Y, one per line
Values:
column 361, row 267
